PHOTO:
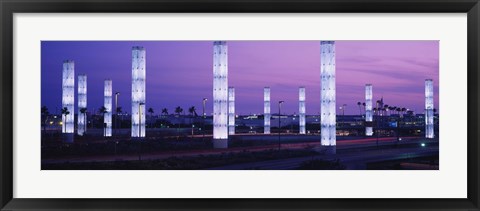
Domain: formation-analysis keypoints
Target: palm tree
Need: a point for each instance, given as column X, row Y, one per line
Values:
column 363, row 104
column 45, row 114
column 103, row 111
column 398, row 110
column 150, row 111
column 192, row 112
column 178, row 110
column 165, row 111
column 65, row 112
column 119, row 109
column 84, row 111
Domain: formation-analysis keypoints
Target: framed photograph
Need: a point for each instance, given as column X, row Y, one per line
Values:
column 239, row 105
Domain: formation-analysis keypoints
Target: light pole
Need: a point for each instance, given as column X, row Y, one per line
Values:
column 378, row 122
column 344, row 108
column 279, row 111
column 116, row 110
column 203, row 116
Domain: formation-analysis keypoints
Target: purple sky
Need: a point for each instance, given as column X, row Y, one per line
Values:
column 179, row 73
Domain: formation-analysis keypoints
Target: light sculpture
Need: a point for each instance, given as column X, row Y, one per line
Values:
column 231, row 110
column 301, row 110
column 82, row 104
column 220, row 94
column 328, row 103
column 138, row 90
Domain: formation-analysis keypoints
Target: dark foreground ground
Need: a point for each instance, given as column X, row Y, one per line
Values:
column 245, row 152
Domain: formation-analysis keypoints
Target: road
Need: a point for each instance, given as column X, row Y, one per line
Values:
column 352, row 160
column 341, row 145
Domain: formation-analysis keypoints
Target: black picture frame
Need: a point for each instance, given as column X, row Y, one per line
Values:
column 10, row 7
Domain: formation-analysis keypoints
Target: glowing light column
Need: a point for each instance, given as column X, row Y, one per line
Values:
column 301, row 109
column 82, row 104
column 328, row 104
column 107, row 116
column 220, row 94
column 429, row 109
column 231, row 110
column 138, row 91
column 266, row 110
column 68, row 98
column 368, row 110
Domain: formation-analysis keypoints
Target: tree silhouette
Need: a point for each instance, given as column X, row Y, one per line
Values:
column 45, row 114
column 103, row 111
column 65, row 112
column 165, row 111
column 178, row 110
column 192, row 112
column 84, row 111
column 150, row 111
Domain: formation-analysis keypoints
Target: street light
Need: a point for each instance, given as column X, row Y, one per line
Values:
column 279, row 111
column 116, row 109
column 203, row 116
column 378, row 121
column 204, row 100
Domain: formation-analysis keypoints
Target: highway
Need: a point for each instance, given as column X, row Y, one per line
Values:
column 352, row 160
column 347, row 150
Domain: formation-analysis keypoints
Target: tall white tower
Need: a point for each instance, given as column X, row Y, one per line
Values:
column 82, row 104
column 107, row 116
column 429, row 109
column 220, row 94
column 328, row 103
column 368, row 110
column 231, row 110
column 301, row 109
column 138, row 91
column 68, row 98
column 266, row 110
